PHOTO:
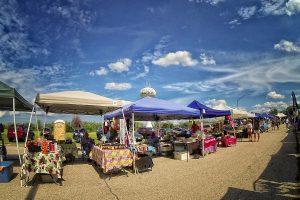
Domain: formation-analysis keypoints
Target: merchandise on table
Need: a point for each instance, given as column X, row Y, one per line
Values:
column 112, row 159
column 69, row 149
column 210, row 145
column 51, row 163
column 228, row 141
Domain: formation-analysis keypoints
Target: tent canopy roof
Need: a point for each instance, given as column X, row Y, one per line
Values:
column 153, row 109
column 6, row 98
column 208, row 112
column 76, row 102
column 235, row 113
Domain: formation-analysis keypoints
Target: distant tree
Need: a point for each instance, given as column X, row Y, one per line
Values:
column 288, row 110
column 273, row 111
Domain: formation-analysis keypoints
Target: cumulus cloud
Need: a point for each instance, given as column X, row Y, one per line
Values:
column 280, row 7
column 247, row 12
column 267, row 106
column 258, row 77
column 182, row 58
column 117, row 86
column 287, row 46
column 102, row 71
column 214, row 103
column 206, row 60
column 292, row 7
column 275, row 95
column 120, row 66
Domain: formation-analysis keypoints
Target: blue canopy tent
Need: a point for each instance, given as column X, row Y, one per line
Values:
column 153, row 109
column 208, row 112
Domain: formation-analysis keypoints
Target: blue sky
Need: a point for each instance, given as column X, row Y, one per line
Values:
column 214, row 51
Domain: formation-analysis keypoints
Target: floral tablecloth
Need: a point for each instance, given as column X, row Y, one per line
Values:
column 51, row 163
column 112, row 159
column 69, row 149
column 228, row 141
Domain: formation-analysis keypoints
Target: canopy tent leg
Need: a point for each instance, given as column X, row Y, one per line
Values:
column 15, row 127
column 36, row 121
column 202, row 138
column 28, row 128
column 126, row 130
column 45, row 118
column 133, row 144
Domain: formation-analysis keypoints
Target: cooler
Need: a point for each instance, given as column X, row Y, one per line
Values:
column 6, row 171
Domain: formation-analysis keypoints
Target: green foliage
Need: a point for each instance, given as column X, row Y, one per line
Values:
column 288, row 110
column 274, row 111
column 167, row 125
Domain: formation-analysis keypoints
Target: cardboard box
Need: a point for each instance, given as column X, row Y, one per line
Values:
column 181, row 155
column 7, row 171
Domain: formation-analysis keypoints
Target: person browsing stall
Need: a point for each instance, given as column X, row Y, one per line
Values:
column 249, row 130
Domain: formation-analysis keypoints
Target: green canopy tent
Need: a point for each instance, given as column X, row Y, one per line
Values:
column 11, row 100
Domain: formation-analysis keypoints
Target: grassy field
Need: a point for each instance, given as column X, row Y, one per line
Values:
column 68, row 135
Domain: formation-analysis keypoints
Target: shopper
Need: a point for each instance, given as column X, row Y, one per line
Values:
column 249, row 130
column 256, row 131
column 287, row 123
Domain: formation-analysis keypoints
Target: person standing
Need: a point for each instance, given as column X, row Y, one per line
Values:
column 249, row 130
column 287, row 123
column 256, row 126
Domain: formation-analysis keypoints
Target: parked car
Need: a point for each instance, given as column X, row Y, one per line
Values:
column 47, row 133
column 145, row 131
column 21, row 133
column 138, row 137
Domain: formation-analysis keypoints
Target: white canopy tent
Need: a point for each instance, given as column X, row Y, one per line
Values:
column 281, row 115
column 76, row 102
column 235, row 113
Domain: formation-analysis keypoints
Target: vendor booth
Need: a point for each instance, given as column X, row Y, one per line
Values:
column 153, row 109
column 52, row 153
column 11, row 100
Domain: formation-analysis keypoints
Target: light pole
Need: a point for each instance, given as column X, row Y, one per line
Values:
column 237, row 101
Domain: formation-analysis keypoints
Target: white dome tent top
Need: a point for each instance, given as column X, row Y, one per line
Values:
column 147, row 91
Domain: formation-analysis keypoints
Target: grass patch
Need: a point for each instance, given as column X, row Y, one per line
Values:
column 37, row 135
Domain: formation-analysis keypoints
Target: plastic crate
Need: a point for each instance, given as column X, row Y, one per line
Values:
column 7, row 172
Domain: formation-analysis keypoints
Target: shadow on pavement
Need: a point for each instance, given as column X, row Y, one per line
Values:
column 279, row 180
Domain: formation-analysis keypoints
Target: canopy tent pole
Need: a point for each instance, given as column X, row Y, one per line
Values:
column 202, row 138
column 28, row 128
column 45, row 118
column 133, row 139
column 36, row 121
column 126, row 130
column 15, row 127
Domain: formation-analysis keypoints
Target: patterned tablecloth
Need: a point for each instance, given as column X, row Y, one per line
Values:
column 51, row 163
column 210, row 145
column 112, row 159
column 69, row 149
column 228, row 141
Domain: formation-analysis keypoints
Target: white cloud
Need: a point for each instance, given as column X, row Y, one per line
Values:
column 288, row 46
column 118, row 86
column 102, row 71
column 121, row 65
column 212, row 2
column 206, row 60
column 214, row 103
column 234, row 23
column 267, row 106
column 280, row 7
column 182, row 58
column 275, row 95
column 292, row 7
column 143, row 74
column 256, row 77
column 247, row 12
